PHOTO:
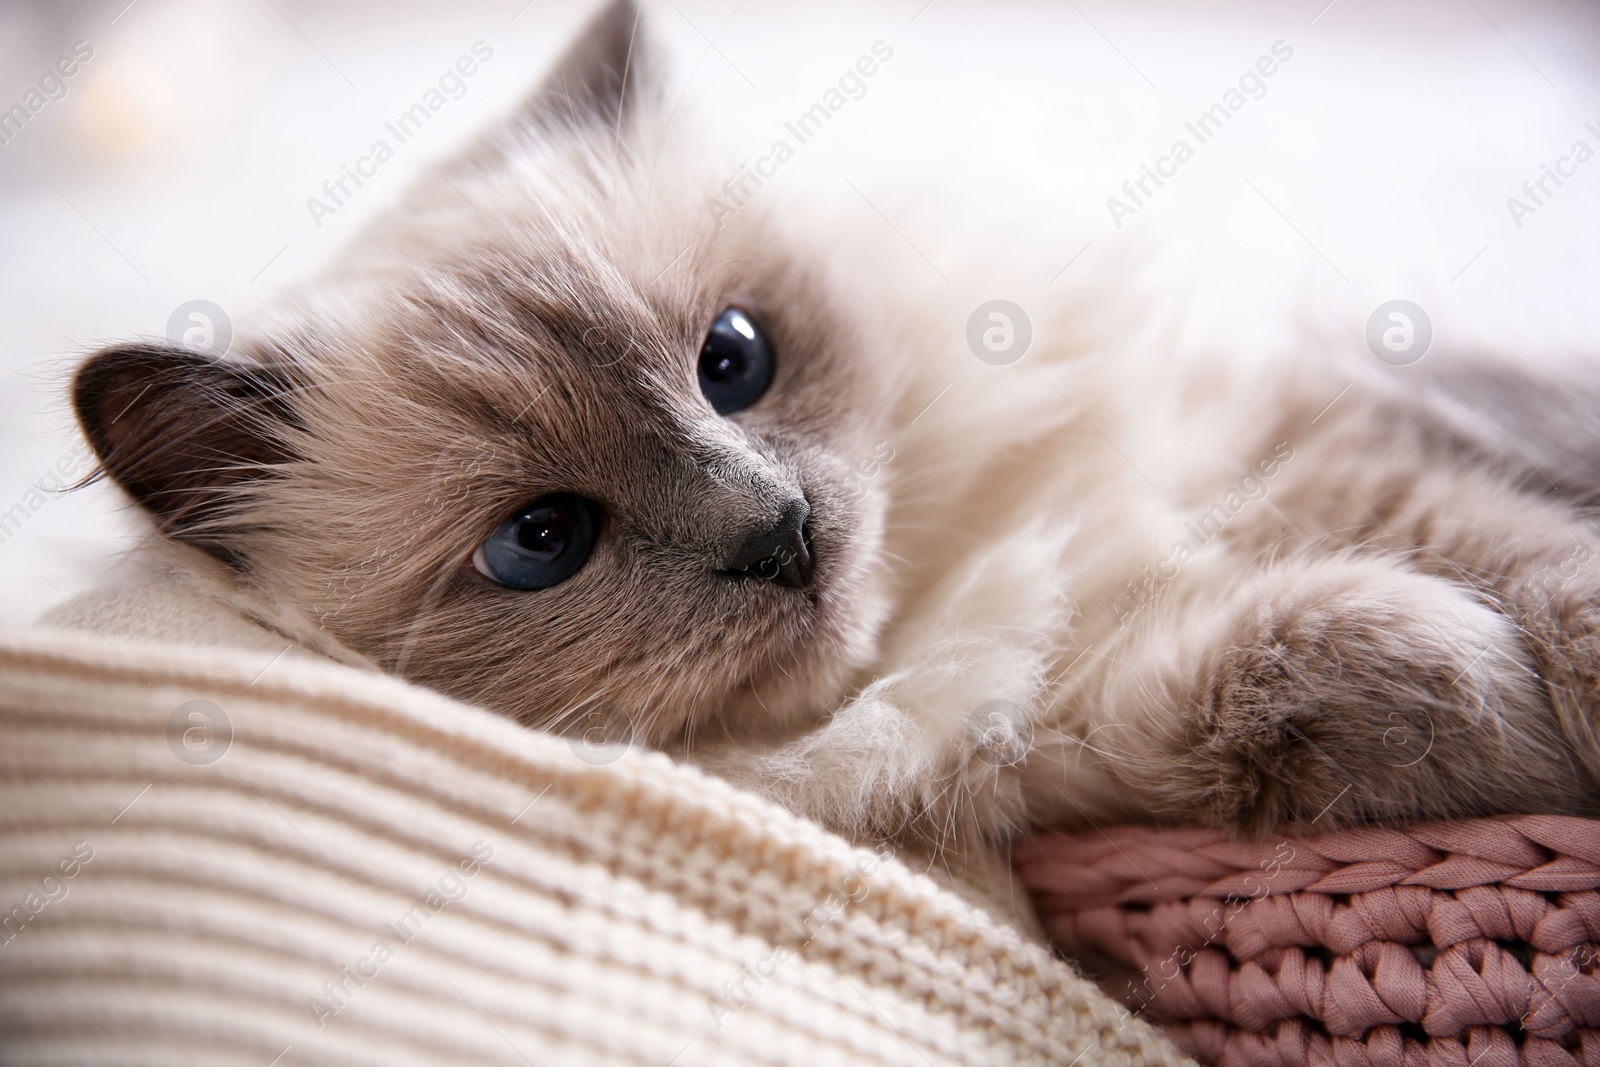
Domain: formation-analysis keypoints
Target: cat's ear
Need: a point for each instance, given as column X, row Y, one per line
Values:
column 181, row 432
column 603, row 77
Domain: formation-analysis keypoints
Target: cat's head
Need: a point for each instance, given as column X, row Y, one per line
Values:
column 551, row 436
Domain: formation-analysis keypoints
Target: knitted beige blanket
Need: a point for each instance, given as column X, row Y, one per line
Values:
column 216, row 852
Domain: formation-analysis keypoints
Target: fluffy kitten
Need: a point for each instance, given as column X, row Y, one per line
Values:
column 902, row 591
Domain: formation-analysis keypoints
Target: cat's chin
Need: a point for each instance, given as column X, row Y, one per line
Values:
column 792, row 696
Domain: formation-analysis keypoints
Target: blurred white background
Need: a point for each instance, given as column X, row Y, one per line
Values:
column 1376, row 166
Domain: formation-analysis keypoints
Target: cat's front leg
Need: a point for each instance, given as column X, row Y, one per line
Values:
column 1323, row 690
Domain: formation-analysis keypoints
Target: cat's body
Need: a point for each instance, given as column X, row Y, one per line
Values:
column 1211, row 592
column 1381, row 607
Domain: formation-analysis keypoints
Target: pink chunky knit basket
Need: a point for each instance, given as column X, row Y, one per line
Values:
column 1453, row 944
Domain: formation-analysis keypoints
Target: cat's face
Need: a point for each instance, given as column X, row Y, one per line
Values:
column 549, row 440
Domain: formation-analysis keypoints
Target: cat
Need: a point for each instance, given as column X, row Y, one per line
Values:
column 552, row 438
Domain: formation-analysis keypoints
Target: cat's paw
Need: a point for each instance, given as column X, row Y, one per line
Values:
column 1344, row 689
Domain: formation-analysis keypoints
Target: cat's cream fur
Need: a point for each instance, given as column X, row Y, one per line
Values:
column 1393, row 613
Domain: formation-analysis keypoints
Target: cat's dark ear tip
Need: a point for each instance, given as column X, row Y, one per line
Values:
column 619, row 13
column 181, row 431
column 612, row 27
column 111, row 382
column 599, row 77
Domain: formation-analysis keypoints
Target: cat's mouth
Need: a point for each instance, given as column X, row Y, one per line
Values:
column 809, row 644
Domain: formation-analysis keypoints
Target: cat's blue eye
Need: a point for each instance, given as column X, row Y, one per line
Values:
column 735, row 363
column 542, row 545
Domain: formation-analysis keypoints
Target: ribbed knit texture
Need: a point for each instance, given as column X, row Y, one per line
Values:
column 1454, row 944
column 616, row 913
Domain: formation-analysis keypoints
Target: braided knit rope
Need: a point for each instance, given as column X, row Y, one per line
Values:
column 1470, row 943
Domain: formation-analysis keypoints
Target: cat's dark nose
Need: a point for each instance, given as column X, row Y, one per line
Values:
column 780, row 553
